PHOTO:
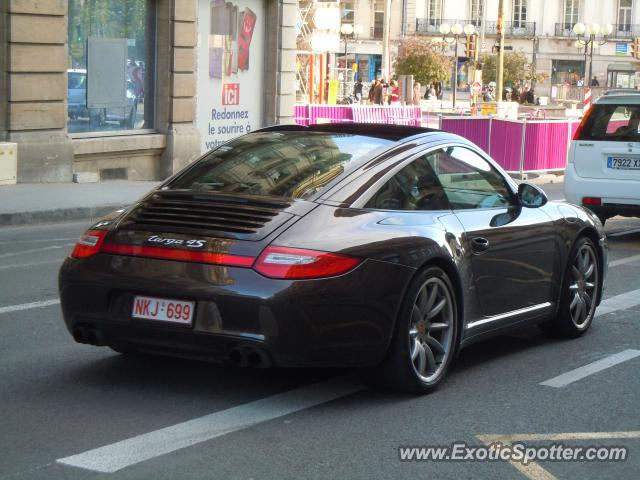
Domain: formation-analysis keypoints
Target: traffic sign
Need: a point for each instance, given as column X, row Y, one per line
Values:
column 476, row 88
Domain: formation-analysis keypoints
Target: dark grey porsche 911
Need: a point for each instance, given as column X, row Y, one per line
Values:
column 375, row 246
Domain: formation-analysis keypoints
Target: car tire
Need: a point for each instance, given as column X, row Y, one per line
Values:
column 581, row 287
column 426, row 336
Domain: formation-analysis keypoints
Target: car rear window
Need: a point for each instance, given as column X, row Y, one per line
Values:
column 612, row 122
column 284, row 164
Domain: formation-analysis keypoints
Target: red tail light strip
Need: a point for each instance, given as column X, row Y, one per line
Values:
column 180, row 255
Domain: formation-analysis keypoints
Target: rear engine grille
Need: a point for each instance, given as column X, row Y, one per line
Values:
column 202, row 213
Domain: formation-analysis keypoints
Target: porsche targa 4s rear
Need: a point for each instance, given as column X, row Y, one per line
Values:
column 376, row 246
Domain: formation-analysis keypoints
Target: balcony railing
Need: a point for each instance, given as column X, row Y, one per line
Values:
column 513, row 29
column 430, row 26
column 620, row 31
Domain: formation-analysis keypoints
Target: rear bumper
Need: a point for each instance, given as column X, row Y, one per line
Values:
column 340, row 321
column 619, row 197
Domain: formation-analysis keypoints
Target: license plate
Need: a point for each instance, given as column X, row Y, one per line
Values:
column 621, row 163
column 163, row 310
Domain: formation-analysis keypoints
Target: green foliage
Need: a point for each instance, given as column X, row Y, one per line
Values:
column 516, row 68
column 417, row 57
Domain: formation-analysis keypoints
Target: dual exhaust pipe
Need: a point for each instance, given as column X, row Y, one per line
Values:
column 246, row 356
column 88, row 335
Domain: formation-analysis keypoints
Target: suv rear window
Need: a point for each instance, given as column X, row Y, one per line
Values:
column 284, row 164
column 608, row 122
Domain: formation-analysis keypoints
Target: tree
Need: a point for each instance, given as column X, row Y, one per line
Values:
column 516, row 68
column 416, row 56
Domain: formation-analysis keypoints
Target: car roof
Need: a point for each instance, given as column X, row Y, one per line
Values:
column 619, row 97
column 395, row 133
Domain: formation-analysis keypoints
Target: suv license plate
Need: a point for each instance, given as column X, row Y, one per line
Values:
column 163, row 310
column 621, row 163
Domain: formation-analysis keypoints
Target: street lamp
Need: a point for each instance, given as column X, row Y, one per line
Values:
column 348, row 30
column 590, row 33
column 456, row 30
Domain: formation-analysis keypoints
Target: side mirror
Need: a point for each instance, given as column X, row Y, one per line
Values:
column 531, row 196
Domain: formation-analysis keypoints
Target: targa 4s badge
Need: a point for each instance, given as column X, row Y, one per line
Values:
column 192, row 243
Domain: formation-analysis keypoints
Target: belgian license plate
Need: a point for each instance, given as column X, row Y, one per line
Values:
column 163, row 310
column 621, row 163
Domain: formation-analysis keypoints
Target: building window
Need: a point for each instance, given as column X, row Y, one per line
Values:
column 347, row 14
column 476, row 11
column 519, row 13
column 111, row 78
column 434, row 11
column 378, row 20
column 624, row 15
column 571, row 13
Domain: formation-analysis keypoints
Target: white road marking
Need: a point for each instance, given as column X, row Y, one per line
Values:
column 624, row 232
column 623, row 261
column 114, row 457
column 595, row 367
column 32, row 264
column 34, row 250
column 28, row 306
column 619, row 302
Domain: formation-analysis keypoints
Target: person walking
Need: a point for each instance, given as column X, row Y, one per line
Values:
column 595, row 82
column 531, row 98
column 357, row 91
column 372, row 91
column 417, row 93
column 378, row 93
column 394, row 93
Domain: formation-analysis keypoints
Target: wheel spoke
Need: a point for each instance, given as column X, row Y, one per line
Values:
column 437, row 309
column 436, row 327
column 583, row 310
column 435, row 345
column 589, row 285
column 422, row 358
column 589, row 271
column 574, row 287
column 431, row 359
column 416, row 349
column 416, row 316
column 574, row 301
column 587, row 301
column 431, row 300
column 576, row 272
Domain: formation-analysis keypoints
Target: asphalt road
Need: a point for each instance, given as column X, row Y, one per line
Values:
column 59, row 399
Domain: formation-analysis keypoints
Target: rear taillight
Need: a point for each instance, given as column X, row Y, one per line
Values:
column 89, row 243
column 591, row 201
column 578, row 133
column 294, row 263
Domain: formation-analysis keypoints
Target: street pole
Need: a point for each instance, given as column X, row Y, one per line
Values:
column 593, row 39
column 386, row 61
column 455, row 72
column 344, row 85
column 501, row 52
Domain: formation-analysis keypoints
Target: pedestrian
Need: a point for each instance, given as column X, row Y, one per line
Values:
column 417, row 93
column 523, row 94
column 595, row 82
column 357, row 90
column 531, row 98
column 372, row 91
column 378, row 93
column 431, row 93
column 394, row 93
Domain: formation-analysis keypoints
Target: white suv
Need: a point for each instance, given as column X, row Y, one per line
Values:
column 603, row 170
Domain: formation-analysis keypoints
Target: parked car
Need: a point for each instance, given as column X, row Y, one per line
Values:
column 603, row 170
column 376, row 246
column 77, row 103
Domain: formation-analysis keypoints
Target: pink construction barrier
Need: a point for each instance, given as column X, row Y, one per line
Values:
column 473, row 129
column 398, row 115
column 505, row 145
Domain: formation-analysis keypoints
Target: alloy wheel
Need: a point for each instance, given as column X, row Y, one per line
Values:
column 582, row 286
column 431, row 329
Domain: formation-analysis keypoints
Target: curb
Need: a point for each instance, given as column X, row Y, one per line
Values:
column 57, row 215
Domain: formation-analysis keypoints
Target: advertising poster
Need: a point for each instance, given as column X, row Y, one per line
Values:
column 230, row 69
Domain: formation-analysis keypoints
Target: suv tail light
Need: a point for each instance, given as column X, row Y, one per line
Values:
column 294, row 263
column 89, row 243
column 578, row 132
column 592, row 201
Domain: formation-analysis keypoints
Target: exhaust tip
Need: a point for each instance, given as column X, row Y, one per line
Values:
column 79, row 335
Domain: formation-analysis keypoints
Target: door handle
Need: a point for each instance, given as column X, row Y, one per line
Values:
column 479, row 245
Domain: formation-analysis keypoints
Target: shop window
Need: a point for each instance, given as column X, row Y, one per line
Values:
column 111, row 78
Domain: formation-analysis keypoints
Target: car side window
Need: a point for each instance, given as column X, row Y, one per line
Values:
column 468, row 180
column 414, row 188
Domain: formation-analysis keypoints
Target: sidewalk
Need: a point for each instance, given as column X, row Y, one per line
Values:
column 25, row 204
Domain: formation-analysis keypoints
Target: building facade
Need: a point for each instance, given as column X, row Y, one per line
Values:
column 543, row 30
column 136, row 89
